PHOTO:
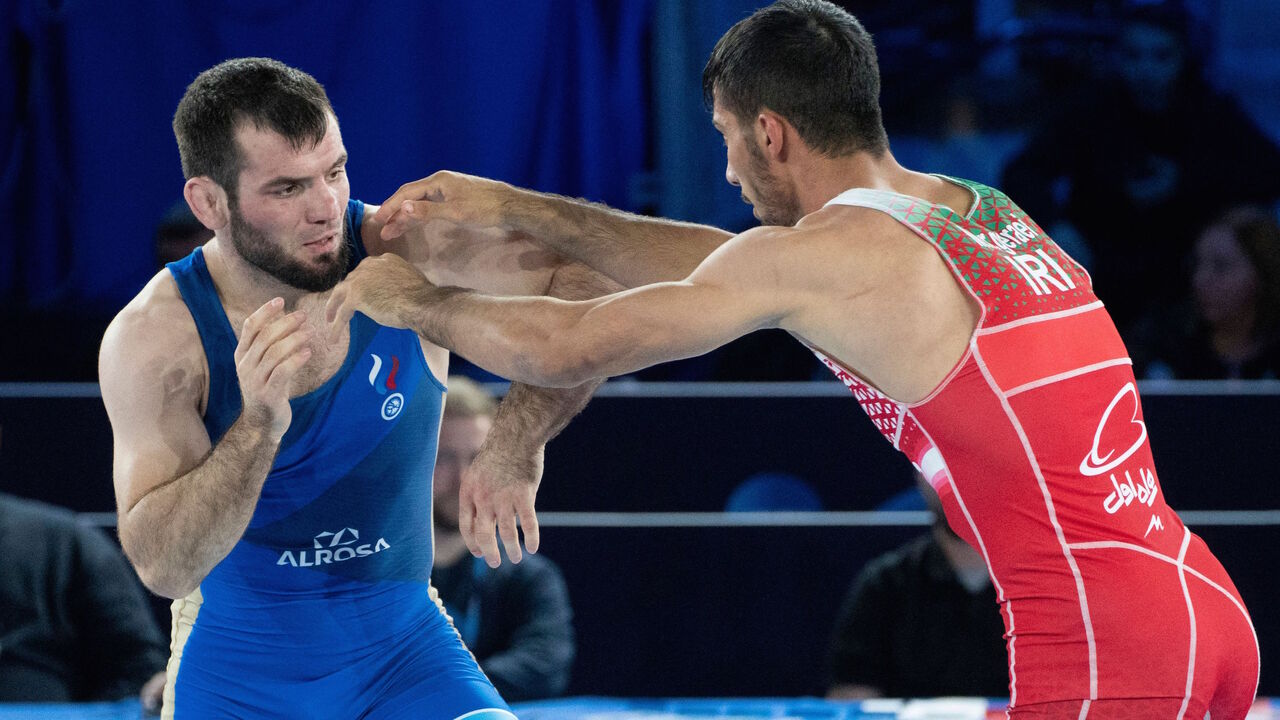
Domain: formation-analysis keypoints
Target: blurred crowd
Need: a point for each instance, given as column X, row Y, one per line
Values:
column 1118, row 125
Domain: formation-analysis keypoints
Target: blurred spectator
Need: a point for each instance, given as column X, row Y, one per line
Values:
column 767, row 491
column 178, row 233
column 74, row 623
column 515, row 619
column 1234, row 329
column 1134, row 169
column 921, row 621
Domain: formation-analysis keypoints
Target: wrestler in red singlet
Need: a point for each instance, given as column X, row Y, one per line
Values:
column 1037, row 446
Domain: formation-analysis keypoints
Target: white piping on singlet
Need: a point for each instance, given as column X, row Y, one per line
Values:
column 982, row 547
column 1078, row 310
column 1053, row 520
column 1117, row 545
column 1182, row 570
column 1191, row 615
column 488, row 713
column 1067, row 375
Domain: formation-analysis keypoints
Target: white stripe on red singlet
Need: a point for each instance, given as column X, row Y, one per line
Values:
column 1053, row 518
column 897, row 434
column 982, row 548
column 1067, row 375
column 1191, row 615
column 992, row 329
column 1117, row 545
column 1114, row 544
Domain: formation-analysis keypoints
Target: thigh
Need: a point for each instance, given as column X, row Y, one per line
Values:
column 470, row 699
column 436, row 678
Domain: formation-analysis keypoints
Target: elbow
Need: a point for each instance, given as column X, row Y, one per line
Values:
column 165, row 583
column 156, row 575
column 555, row 366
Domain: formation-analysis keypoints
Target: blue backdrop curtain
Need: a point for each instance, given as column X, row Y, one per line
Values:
column 549, row 94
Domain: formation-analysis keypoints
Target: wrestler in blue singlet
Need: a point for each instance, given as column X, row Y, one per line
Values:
column 323, row 609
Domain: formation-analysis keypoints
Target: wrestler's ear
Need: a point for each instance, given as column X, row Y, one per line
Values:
column 208, row 201
column 771, row 133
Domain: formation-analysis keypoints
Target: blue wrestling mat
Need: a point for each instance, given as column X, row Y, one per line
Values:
column 590, row 708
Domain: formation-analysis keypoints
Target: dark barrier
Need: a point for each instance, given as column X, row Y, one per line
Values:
column 685, row 446
column 693, row 610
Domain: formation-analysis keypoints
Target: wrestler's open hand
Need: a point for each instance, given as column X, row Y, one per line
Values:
column 386, row 288
column 272, row 348
column 498, row 489
column 463, row 199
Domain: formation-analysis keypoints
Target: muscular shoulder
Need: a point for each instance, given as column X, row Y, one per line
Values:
column 842, row 243
column 153, row 337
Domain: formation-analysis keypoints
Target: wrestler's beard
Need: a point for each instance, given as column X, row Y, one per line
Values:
column 775, row 203
column 260, row 251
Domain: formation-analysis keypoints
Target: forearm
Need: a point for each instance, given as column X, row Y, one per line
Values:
column 526, row 340
column 530, row 416
column 180, row 530
column 631, row 249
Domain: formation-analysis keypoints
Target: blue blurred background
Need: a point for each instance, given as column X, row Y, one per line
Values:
column 594, row 99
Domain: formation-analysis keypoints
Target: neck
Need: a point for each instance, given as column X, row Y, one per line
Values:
column 242, row 286
column 819, row 178
column 449, row 548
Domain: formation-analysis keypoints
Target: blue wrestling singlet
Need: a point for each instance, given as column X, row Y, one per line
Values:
column 323, row 609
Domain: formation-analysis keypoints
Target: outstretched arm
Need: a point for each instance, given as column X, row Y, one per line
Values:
column 631, row 249
column 550, row 342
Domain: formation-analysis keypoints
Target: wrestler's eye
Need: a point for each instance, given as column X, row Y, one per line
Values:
column 336, row 173
column 288, row 190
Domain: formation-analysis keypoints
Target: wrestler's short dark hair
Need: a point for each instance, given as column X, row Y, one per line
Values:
column 809, row 61
column 265, row 92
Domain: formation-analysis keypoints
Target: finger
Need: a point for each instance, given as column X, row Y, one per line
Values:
column 339, row 309
column 334, row 303
column 256, row 321
column 345, row 308
column 529, row 525
column 399, row 224
column 284, row 372
column 254, row 354
column 510, row 536
column 486, row 537
column 283, row 349
column 409, row 191
column 466, row 522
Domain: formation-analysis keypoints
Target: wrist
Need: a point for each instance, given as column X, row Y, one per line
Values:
column 515, row 442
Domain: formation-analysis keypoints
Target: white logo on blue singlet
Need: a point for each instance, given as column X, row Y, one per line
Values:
column 394, row 402
column 345, row 536
column 392, row 406
column 332, row 547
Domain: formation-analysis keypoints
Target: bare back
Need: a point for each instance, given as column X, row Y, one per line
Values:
column 881, row 295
